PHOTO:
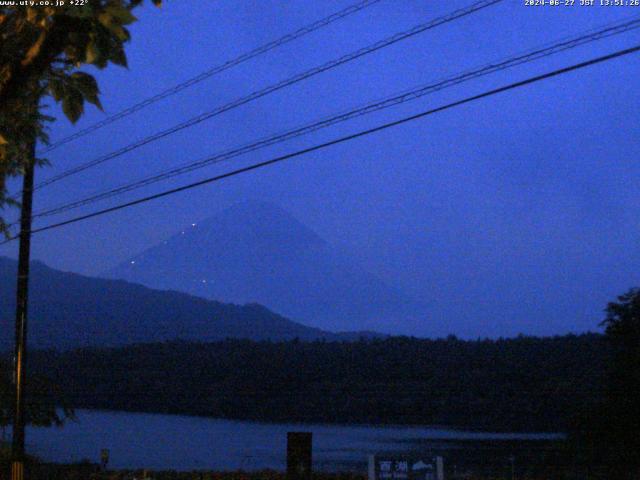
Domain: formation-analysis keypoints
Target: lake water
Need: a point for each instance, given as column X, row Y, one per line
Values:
column 138, row 440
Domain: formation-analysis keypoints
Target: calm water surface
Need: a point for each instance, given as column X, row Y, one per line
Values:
column 139, row 440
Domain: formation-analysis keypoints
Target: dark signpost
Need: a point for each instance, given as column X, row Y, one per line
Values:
column 382, row 467
column 299, row 455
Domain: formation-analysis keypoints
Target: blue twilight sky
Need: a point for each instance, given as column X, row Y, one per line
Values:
column 514, row 214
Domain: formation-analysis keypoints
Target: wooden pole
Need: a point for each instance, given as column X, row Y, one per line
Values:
column 22, row 299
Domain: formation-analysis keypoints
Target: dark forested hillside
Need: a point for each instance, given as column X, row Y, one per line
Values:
column 515, row 384
column 67, row 310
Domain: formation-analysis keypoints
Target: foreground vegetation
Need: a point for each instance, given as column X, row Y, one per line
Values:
column 93, row 472
column 480, row 462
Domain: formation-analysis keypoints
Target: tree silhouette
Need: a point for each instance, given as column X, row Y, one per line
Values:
column 608, row 433
column 622, row 406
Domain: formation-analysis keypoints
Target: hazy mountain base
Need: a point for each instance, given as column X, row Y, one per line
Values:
column 521, row 384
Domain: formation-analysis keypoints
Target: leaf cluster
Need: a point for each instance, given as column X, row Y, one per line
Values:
column 43, row 49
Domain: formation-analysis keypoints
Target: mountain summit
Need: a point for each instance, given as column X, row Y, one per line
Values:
column 258, row 252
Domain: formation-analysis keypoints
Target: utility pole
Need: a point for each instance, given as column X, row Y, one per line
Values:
column 22, row 298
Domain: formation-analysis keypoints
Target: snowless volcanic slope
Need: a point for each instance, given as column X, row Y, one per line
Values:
column 257, row 252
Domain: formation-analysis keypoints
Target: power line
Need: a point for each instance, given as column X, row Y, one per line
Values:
column 477, row 6
column 529, row 56
column 340, row 140
column 215, row 70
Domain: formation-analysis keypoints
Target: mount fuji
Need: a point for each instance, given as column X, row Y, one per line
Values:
column 256, row 252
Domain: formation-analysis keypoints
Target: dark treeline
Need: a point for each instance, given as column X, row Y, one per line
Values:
column 526, row 384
